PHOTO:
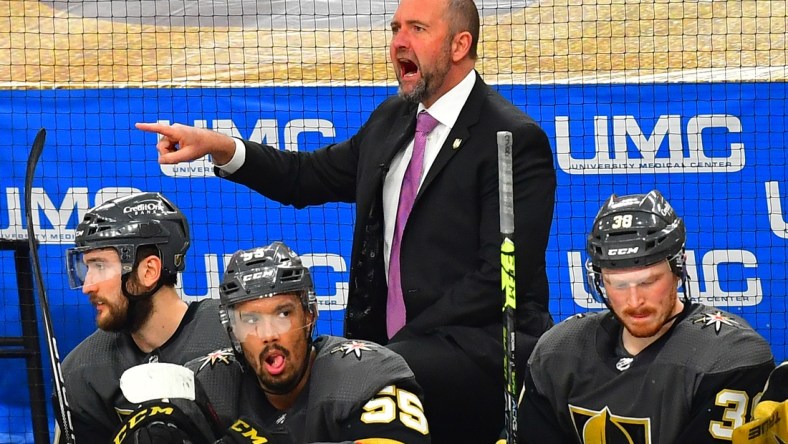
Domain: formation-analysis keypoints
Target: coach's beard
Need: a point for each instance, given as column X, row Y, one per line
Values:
column 426, row 87
column 432, row 76
column 416, row 95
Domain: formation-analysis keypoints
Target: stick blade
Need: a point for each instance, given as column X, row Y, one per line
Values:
column 38, row 147
column 32, row 161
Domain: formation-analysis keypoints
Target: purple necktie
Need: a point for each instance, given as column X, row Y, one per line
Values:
column 395, row 305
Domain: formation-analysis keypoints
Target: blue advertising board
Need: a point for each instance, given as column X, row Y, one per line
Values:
column 717, row 151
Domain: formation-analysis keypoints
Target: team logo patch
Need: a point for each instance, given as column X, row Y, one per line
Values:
column 603, row 426
column 717, row 319
column 224, row 355
column 354, row 347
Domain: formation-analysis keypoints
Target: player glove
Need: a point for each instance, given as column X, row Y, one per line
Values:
column 165, row 422
column 172, row 407
column 770, row 416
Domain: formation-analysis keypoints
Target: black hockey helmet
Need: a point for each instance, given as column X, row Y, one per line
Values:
column 126, row 224
column 635, row 231
column 261, row 273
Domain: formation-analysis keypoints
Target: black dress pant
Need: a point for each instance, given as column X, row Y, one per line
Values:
column 463, row 400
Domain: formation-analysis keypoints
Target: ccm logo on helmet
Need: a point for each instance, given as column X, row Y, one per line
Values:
column 145, row 207
column 622, row 251
column 258, row 275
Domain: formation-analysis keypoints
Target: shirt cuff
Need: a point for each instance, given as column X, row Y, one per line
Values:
column 235, row 164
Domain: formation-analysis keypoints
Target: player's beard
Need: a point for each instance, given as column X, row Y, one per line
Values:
column 284, row 382
column 140, row 310
column 297, row 364
column 140, row 302
column 114, row 318
column 126, row 314
column 431, row 78
column 653, row 327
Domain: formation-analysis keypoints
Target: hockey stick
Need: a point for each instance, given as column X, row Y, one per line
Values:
column 506, row 203
column 64, row 412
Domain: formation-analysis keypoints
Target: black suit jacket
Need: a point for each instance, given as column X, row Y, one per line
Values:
column 450, row 251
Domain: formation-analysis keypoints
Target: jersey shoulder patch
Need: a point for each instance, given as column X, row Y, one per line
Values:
column 717, row 320
column 222, row 356
column 715, row 341
column 337, row 355
column 355, row 348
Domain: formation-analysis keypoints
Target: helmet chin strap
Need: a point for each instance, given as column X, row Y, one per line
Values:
column 685, row 286
column 670, row 319
column 144, row 295
column 140, row 306
column 686, row 300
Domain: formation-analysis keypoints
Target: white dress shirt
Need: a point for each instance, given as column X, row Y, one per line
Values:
column 445, row 110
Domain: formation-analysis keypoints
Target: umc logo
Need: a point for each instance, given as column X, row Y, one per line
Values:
column 663, row 151
column 265, row 131
column 53, row 219
column 710, row 279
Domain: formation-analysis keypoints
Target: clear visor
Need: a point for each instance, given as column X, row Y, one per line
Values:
column 92, row 266
column 250, row 323
column 624, row 280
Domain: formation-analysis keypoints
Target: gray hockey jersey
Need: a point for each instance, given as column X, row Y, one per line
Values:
column 695, row 384
column 357, row 389
column 92, row 371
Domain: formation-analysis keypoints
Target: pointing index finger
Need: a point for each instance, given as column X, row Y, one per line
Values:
column 165, row 130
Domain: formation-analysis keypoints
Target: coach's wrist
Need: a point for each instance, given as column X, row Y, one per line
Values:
column 231, row 160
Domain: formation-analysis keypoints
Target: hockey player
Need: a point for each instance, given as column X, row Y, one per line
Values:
column 654, row 368
column 127, row 256
column 284, row 386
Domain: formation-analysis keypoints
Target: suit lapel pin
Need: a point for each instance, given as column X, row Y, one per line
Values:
column 456, row 143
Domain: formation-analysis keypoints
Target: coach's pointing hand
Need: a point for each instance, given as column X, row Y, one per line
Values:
column 182, row 143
